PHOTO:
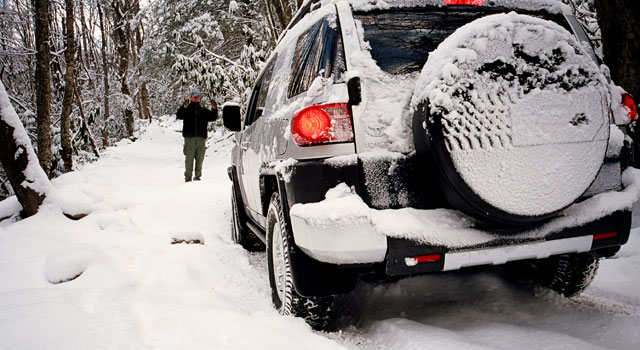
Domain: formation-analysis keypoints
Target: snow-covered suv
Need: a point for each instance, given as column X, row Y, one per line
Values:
column 410, row 137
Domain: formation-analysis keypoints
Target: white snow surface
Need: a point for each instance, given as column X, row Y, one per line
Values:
column 135, row 290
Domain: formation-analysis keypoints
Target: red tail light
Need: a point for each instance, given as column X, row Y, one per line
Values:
column 630, row 106
column 413, row 261
column 319, row 124
column 605, row 235
column 464, row 2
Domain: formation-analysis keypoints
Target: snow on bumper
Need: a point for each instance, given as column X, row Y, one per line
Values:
column 339, row 242
column 342, row 229
column 502, row 255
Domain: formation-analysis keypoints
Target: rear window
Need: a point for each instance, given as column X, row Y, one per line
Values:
column 319, row 52
column 401, row 39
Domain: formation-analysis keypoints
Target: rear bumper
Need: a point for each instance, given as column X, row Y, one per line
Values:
column 383, row 236
column 594, row 237
column 358, row 242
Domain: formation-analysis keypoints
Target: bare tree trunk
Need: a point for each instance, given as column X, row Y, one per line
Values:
column 144, row 96
column 286, row 12
column 122, row 35
column 43, row 83
column 271, row 20
column 84, row 30
column 19, row 160
column 85, row 125
column 279, row 10
column 67, row 101
column 619, row 22
column 139, row 104
column 105, row 71
column 85, row 53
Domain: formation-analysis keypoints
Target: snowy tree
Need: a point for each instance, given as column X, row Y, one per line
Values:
column 43, row 82
column 19, row 160
column 84, row 104
column 280, row 13
column 123, row 61
column 215, row 46
column 69, row 87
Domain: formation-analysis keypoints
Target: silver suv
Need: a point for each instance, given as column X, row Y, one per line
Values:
column 429, row 136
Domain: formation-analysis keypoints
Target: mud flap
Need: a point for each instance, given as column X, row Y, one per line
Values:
column 311, row 277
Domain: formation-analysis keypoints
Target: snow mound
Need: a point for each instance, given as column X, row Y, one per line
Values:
column 68, row 263
column 522, row 109
column 75, row 202
column 9, row 210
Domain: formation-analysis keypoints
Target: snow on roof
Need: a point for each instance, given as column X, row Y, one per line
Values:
column 552, row 6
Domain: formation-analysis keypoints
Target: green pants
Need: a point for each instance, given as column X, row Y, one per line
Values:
column 194, row 148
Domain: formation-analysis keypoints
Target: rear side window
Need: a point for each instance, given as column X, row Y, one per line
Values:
column 258, row 99
column 401, row 39
column 319, row 52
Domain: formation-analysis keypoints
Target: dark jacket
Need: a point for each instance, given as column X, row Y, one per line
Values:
column 195, row 118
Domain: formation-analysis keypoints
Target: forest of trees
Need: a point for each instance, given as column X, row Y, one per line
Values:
column 85, row 74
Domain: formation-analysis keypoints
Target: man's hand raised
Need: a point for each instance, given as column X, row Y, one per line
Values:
column 185, row 104
column 214, row 105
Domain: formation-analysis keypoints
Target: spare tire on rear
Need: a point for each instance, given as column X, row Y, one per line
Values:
column 516, row 115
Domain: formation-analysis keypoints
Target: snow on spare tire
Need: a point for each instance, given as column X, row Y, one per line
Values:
column 521, row 111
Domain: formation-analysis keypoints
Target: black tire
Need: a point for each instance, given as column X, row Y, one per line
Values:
column 568, row 274
column 317, row 311
column 239, row 232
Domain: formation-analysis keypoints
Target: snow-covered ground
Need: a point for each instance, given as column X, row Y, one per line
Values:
column 136, row 290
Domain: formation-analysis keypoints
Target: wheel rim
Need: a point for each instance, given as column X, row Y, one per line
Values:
column 279, row 263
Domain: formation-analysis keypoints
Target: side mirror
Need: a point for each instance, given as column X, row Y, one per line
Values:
column 355, row 94
column 231, row 116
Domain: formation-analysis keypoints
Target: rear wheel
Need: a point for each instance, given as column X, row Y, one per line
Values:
column 317, row 311
column 239, row 233
column 567, row 274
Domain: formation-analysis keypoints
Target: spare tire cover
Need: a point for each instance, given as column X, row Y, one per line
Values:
column 522, row 111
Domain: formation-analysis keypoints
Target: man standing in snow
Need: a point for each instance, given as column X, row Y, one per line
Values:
column 194, row 130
